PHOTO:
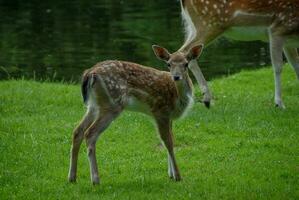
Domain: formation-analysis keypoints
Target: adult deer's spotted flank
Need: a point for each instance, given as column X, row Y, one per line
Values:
column 276, row 21
column 112, row 86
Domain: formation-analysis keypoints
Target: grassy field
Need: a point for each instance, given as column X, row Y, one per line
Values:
column 242, row 148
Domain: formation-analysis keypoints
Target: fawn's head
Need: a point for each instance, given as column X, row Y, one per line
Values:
column 178, row 61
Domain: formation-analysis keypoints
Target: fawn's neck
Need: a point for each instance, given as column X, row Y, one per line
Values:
column 185, row 93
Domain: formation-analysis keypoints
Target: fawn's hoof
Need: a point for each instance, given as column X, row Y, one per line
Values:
column 96, row 181
column 176, row 178
column 72, row 179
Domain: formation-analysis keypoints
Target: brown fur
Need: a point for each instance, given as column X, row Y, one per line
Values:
column 275, row 20
column 130, row 79
column 111, row 86
column 217, row 15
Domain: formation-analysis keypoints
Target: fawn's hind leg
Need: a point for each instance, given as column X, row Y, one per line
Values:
column 98, row 126
column 78, row 135
column 293, row 58
column 276, row 49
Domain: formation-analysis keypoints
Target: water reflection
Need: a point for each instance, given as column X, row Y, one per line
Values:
column 61, row 38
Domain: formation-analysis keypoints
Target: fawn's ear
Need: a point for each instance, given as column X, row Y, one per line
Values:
column 161, row 52
column 195, row 52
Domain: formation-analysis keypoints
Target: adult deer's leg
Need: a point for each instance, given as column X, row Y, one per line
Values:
column 276, row 48
column 293, row 58
column 193, row 66
column 78, row 135
column 204, row 36
column 165, row 131
column 91, row 135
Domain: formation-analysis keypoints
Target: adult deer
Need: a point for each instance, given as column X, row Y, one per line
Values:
column 112, row 86
column 276, row 21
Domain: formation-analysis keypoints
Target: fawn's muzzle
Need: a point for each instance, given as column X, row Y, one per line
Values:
column 176, row 78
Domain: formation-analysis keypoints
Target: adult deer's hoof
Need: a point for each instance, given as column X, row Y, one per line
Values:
column 279, row 104
column 207, row 104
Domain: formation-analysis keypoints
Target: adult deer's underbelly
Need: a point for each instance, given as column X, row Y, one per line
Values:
column 257, row 33
column 247, row 33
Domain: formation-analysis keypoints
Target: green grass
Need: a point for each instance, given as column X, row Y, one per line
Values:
column 242, row 148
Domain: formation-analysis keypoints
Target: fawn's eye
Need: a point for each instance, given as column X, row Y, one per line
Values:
column 168, row 65
column 186, row 65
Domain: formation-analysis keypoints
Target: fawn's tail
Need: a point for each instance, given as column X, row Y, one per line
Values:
column 87, row 82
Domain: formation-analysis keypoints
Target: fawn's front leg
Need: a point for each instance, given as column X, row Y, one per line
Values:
column 165, row 130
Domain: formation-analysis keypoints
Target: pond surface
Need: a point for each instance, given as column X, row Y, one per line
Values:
column 59, row 39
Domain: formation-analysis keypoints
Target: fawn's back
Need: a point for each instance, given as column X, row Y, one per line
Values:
column 132, row 86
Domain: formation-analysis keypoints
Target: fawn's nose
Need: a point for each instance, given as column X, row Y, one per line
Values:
column 176, row 78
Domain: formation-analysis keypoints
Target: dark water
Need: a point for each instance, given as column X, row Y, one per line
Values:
column 59, row 39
